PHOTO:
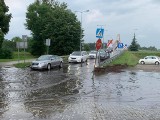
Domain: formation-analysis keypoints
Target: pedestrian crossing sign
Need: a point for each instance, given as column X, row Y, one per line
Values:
column 99, row 32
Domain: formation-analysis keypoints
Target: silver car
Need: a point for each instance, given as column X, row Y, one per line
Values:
column 47, row 62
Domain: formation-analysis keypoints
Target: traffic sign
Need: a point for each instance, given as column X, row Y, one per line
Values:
column 120, row 45
column 24, row 37
column 98, row 44
column 48, row 41
column 99, row 32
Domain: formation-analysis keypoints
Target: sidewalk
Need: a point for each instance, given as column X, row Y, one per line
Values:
column 2, row 64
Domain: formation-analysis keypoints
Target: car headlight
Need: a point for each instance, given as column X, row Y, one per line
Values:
column 79, row 58
column 43, row 63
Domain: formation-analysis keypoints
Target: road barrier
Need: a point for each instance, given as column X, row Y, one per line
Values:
column 112, row 57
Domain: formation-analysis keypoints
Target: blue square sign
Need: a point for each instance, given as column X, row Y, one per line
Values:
column 99, row 32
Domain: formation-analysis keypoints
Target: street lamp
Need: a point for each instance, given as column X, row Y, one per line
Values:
column 81, row 26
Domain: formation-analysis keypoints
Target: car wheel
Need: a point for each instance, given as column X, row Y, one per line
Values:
column 142, row 62
column 31, row 68
column 156, row 63
column 48, row 66
column 61, row 65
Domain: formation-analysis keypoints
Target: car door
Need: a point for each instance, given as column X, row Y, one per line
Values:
column 154, row 59
column 148, row 60
column 53, row 61
column 85, row 55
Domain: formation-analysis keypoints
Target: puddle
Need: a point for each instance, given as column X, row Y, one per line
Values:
column 74, row 90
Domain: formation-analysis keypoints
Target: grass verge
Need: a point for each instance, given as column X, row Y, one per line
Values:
column 22, row 65
column 130, row 58
column 127, row 58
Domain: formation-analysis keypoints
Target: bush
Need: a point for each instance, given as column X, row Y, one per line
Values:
column 6, row 54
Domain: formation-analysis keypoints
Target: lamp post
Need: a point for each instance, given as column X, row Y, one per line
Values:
column 81, row 26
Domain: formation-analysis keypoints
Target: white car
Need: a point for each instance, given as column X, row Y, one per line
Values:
column 92, row 54
column 150, row 60
column 78, row 56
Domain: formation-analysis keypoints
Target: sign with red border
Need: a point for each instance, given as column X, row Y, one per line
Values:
column 98, row 44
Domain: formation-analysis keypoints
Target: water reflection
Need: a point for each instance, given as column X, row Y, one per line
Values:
column 57, row 93
column 42, row 92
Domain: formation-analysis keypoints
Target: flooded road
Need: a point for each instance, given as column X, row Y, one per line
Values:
column 75, row 93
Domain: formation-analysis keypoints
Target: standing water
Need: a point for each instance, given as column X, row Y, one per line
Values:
column 75, row 93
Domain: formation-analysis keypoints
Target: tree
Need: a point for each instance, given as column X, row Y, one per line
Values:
column 134, row 46
column 16, row 39
column 4, row 21
column 92, row 46
column 86, row 47
column 48, row 19
column 9, row 45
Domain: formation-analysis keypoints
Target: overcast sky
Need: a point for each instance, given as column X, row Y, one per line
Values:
column 124, row 17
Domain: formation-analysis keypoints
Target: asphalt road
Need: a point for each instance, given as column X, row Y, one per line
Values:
column 76, row 93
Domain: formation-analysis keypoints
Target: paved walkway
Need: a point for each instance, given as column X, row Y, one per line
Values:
column 2, row 64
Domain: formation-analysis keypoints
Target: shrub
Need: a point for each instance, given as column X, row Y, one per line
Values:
column 6, row 54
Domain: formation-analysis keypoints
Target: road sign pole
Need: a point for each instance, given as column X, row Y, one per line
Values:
column 24, row 38
column 48, row 42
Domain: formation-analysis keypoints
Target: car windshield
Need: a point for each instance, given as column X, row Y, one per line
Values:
column 77, row 53
column 93, row 52
column 44, row 57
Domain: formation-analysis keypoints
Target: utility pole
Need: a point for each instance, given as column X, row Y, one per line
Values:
column 81, row 27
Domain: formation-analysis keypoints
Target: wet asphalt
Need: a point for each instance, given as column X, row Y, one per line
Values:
column 75, row 92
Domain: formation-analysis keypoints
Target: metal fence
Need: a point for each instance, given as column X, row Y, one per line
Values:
column 112, row 57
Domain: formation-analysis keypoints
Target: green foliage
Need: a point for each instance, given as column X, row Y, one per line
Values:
column 86, row 47
column 16, row 39
column 10, row 45
column 4, row 20
column 92, row 46
column 5, row 54
column 134, row 46
column 50, row 19
column 152, row 48
column 1, row 38
column 37, row 48
column 143, row 53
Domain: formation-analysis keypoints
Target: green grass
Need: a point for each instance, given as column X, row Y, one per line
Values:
column 22, row 65
column 20, row 56
column 131, row 58
column 127, row 58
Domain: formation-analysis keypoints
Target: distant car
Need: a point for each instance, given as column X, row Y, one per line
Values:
column 103, row 54
column 92, row 54
column 150, row 60
column 78, row 56
column 47, row 62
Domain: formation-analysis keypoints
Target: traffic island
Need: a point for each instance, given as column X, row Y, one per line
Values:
column 114, row 68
